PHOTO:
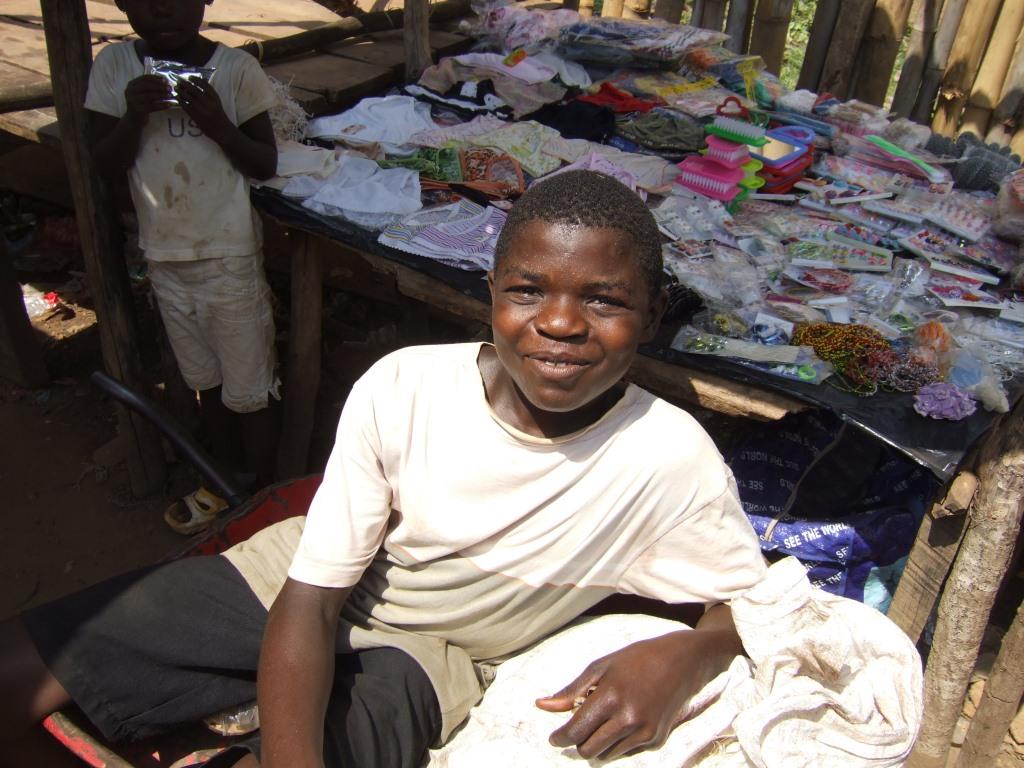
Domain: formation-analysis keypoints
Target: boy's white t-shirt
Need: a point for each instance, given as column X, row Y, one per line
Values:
column 191, row 202
column 467, row 540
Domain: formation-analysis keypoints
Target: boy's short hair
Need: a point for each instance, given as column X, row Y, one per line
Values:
column 594, row 200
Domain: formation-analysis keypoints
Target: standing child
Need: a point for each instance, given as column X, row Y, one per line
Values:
column 188, row 152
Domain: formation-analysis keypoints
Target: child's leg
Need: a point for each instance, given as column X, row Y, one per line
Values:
column 221, row 428
column 260, row 430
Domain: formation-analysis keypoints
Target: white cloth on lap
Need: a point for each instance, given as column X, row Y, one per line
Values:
column 830, row 683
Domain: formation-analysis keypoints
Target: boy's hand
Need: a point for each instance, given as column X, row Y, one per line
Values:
column 145, row 94
column 201, row 102
column 632, row 699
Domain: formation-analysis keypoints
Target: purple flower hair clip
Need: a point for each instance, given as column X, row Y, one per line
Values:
column 944, row 401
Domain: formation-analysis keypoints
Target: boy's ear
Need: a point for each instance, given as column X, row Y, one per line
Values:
column 655, row 311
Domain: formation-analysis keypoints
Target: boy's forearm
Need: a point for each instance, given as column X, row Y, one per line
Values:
column 252, row 158
column 296, row 671
column 116, row 150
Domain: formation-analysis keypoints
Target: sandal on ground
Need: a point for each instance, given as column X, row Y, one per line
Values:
column 202, row 506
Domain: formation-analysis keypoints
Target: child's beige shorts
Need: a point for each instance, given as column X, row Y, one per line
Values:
column 221, row 326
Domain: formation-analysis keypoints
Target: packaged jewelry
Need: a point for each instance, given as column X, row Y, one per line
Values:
column 953, row 292
column 174, row 72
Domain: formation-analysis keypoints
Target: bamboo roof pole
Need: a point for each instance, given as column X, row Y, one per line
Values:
column 824, row 23
column 999, row 701
column 69, row 49
column 1006, row 116
column 970, row 591
column 879, row 48
column 964, row 59
column 992, row 74
column 697, row 15
column 612, row 8
column 736, row 25
column 938, row 56
column 924, row 17
column 837, row 71
column 771, row 26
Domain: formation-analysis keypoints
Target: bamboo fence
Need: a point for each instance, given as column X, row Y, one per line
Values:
column 964, row 59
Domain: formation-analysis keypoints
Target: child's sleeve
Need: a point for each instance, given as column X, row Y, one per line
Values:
column 349, row 514
column 105, row 93
column 710, row 555
column 255, row 93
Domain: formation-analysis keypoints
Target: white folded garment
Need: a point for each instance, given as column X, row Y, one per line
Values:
column 363, row 192
column 389, row 121
column 830, row 683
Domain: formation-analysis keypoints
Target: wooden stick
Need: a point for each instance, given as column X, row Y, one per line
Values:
column 967, row 599
column 586, row 8
column 697, row 16
column 1005, row 117
column 768, row 38
column 669, row 10
column 878, row 49
column 32, row 95
column 736, row 25
column 924, row 17
column 999, row 701
column 825, row 15
column 992, row 74
column 416, row 37
column 68, row 46
column 838, row 68
column 964, row 60
column 938, row 56
column 714, row 14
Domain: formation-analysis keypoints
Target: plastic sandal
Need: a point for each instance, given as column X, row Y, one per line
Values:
column 203, row 507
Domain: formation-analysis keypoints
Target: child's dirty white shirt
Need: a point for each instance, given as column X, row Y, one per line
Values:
column 191, row 202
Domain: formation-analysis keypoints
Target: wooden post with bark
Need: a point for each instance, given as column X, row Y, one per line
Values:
column 416, row 36
column 818, row 41
column 878, row 49
column 768, row 37
column 992, row 73
column 938, row 56
column 737, row 23
column 69, row 49
column 924, row 18
column 714, row 15
column 837, row 72
column 999, row 701
column 21, row 359
column 964, row 60
column 983, row 560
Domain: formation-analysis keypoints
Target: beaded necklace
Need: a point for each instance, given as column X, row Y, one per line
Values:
column 843, row 346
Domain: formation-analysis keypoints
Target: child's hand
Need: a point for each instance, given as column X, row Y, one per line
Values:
column 201, row 102
column 147, row 93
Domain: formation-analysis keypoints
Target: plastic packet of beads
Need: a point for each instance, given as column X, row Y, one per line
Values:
column 688, row 340
column 174, row 72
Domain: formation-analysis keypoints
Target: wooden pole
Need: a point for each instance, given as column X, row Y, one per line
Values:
column 68, row 46
column 416, row 36
column 768, row 38
column 1006, row 116
column 303, row 361
column 938, row 56
column 697, row 15
column 967, row 599
column 995, row 65
column 924, row 17
column 879, row 48
column 999, row 700
column 964, row 60
column 669, row 10
column 714, row 15
column 931, row 557
column 837, row 71
column 736, row 25
column 21, row 359
column 818, row 41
